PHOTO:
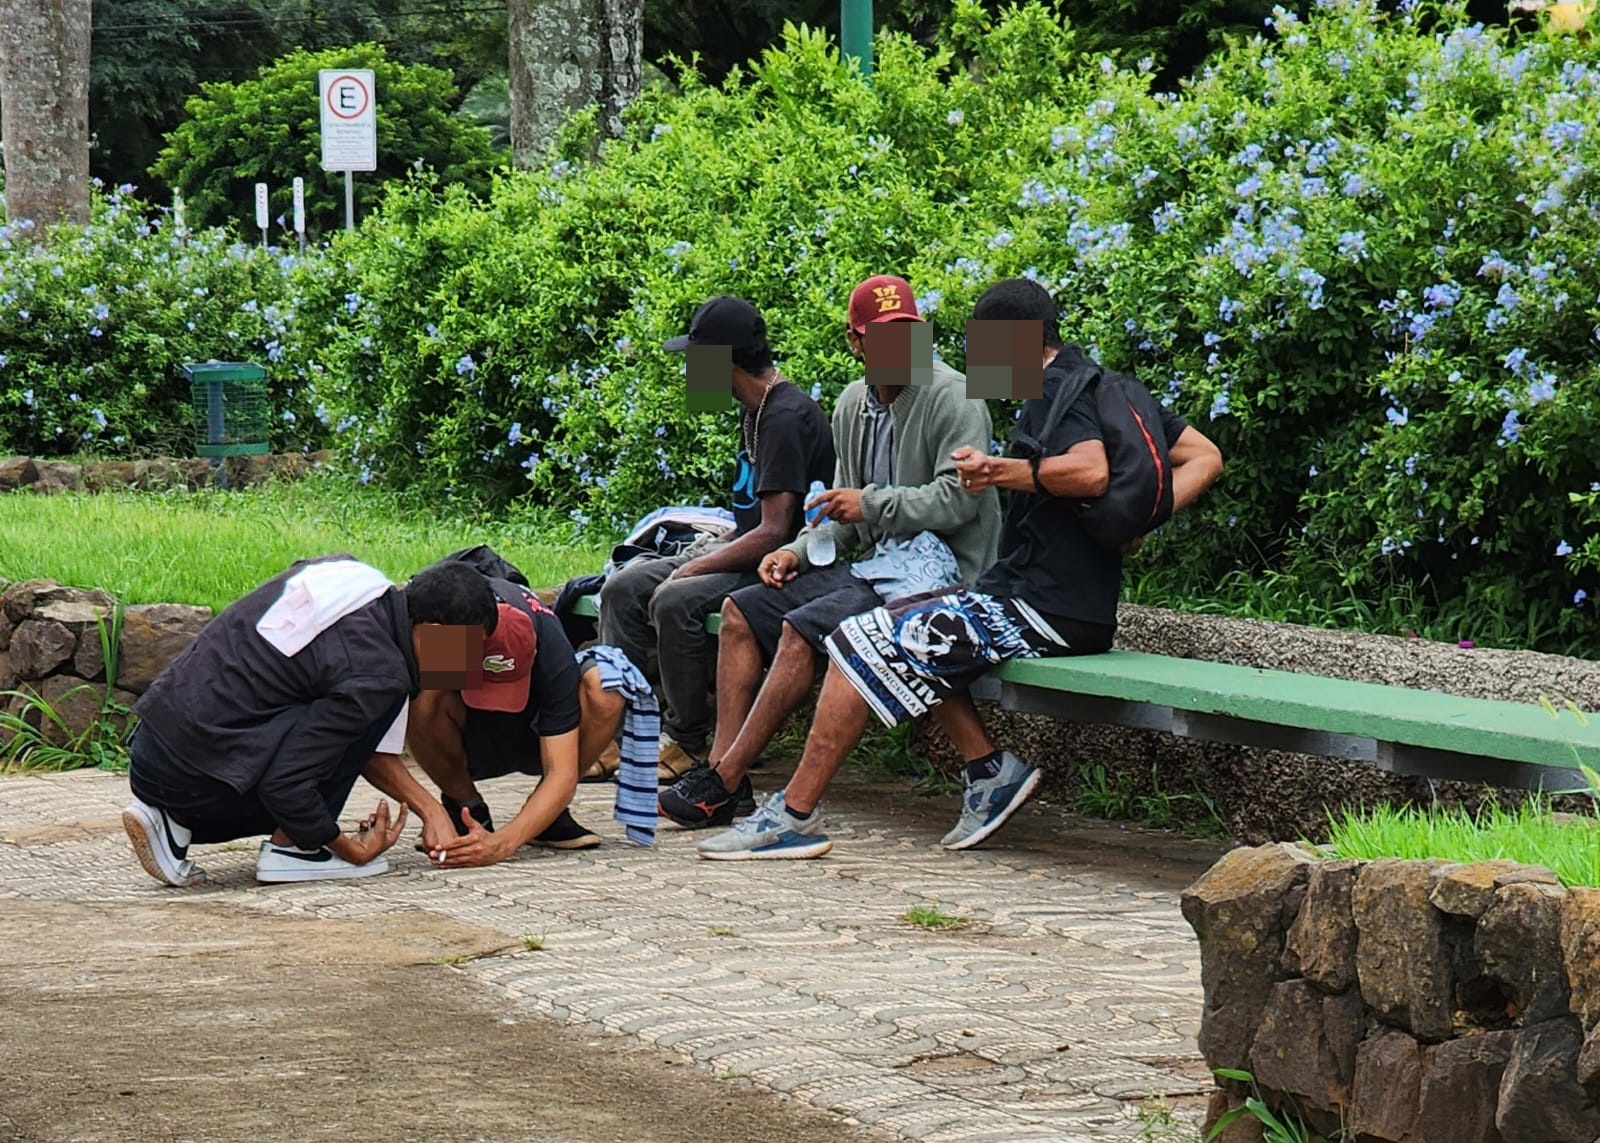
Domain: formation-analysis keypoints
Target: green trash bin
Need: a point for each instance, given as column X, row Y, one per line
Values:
column 230, row 408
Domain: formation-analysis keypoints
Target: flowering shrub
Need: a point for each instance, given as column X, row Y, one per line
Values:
column 1359, row 253
column 96, row 324
column 1365, row 258
column 1358, row 250
column 515, row 346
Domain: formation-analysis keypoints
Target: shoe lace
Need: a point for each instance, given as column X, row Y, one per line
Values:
column 768, row 815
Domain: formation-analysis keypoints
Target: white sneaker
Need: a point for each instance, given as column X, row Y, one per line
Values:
column 151, row 832
column 277, row 864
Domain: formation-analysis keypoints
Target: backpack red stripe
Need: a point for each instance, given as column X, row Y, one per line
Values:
column 1155, row 457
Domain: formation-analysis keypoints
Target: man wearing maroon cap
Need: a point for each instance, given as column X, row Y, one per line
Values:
column 533, row 710
column 894, row 432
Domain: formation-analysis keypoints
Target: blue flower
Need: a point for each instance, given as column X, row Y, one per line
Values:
column 678, row 249
column 1398, row 417
column 1563, row 549
column 1229, row 309
column 1542, row 390
column 1442, row 297
column 1219, row 405
column 955, row 117
column 515, row 435
column 1212, row 338
column 1578, row 597
column 465, row 365
column 1515, row 360
column 533, row 459
column 1004, row 238
column 1510, row 428
column 816, row 391
column 1353, row 244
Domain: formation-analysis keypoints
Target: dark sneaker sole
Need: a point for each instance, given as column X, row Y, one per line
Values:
column 813, row 847
column 138, row 834
column 985, row 831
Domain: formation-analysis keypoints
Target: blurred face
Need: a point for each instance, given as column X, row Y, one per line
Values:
column 449, row 658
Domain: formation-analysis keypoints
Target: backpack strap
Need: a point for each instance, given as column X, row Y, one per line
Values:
column 1070, row 389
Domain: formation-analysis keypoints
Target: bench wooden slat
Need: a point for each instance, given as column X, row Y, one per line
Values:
column 1400, row 729
column 1521, row 732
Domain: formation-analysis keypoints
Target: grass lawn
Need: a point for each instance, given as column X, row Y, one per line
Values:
column 212, row 547
column 1568, row 846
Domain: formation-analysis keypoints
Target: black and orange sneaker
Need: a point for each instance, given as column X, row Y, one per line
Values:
column 699, row 800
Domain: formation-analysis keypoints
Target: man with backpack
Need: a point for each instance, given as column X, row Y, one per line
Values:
column 1095, row 445
column 895, row 495
column 536, row 709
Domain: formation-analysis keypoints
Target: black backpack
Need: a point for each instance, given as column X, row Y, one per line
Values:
column 1139, row 497
column 489, row 562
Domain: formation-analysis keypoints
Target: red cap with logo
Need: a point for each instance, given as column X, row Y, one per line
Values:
column 507, row 664
column 882, row 298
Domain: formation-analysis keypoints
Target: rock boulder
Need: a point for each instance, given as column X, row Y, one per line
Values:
column 1236, row 910
column 1403, row 961
column 153, row 635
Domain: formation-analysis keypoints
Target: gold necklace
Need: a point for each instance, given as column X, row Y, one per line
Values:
column 750, row 446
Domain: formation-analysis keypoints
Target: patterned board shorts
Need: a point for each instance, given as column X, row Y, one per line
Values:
column 909, row 656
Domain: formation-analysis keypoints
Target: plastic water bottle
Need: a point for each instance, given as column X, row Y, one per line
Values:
column 820, row 548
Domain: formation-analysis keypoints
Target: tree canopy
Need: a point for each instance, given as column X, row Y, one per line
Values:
column 268, row 130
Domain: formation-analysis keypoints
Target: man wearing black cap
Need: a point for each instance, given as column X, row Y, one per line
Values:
column 655, row 609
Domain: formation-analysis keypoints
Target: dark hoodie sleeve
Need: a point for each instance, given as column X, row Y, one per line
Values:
column 312, row 752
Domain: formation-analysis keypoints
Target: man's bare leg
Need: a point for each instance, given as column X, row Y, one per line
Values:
column 434, row 737
column 840, row 721
column 958, row 717
column 788, row 682
column 600, row 717
column 739, row 669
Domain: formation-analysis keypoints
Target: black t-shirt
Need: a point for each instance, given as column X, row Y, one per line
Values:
column 795, row 447
column 1046, row 557
column 553, row 684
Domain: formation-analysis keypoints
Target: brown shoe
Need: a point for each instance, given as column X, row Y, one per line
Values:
column 674, row 762
column 603, row 767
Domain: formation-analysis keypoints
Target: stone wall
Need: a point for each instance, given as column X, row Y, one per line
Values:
column 50, row 646
column 1403, row 1000
column 1263, row 794
column 27, row 474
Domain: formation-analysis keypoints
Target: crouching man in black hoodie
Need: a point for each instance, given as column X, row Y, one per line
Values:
column 264, row 722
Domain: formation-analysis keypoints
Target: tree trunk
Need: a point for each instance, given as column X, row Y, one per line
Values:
column 567, row 55
column 44, row 109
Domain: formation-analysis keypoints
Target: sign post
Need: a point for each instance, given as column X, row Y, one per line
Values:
column 349, row 129
column 261, row 211
column 300, row 211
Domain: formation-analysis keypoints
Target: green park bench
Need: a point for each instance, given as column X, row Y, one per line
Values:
column 1398, row 729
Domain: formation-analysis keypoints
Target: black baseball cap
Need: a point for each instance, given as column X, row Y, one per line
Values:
column 733, row 322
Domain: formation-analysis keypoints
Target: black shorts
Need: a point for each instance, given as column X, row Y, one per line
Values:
column 814, row 603
column 498, row 744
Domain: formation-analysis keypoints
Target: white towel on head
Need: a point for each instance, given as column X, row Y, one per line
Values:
column 317, row 597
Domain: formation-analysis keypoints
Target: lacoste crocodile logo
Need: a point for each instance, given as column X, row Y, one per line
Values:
column 498, row 664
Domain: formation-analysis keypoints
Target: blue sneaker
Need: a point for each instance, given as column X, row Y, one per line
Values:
column 987, row 804
column 771, row 833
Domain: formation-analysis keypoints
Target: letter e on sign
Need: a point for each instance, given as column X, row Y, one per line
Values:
column 349, row 120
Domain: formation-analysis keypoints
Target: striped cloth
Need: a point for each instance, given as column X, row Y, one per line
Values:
column 641, row 733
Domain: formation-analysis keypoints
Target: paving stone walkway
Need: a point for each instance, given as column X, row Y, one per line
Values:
column 1071, row 999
